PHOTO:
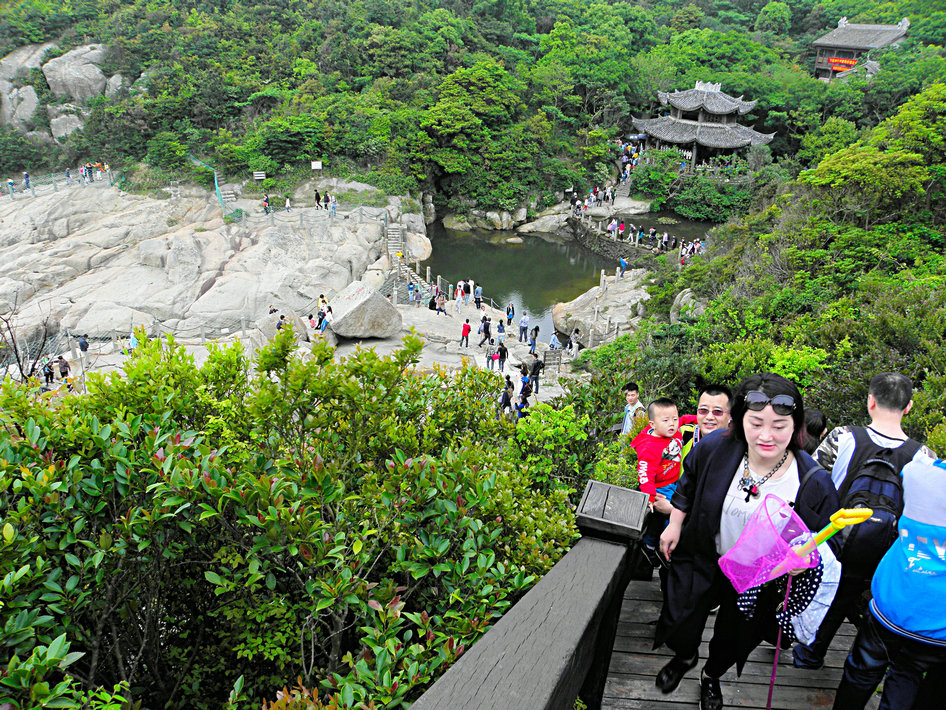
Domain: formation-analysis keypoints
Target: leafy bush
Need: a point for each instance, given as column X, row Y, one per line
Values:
column 347, row 523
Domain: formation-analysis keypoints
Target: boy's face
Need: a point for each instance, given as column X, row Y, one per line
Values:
column 632, row 397
column 665, row 421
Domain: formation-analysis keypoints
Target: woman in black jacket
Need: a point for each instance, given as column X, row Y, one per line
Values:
column 725, row 477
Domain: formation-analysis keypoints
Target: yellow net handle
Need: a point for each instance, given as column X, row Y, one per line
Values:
column 841, row 519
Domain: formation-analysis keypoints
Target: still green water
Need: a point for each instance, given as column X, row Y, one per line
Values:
column 535, row 275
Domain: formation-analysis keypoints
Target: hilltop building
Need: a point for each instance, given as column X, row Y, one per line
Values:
column 702, row 120
column 842, row 48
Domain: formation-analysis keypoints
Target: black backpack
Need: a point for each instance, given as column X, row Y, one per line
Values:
column 874, row 480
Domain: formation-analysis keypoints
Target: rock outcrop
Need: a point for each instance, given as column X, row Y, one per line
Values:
column 621, row 301
column 686, row 304
column 92, row 259
column 76, row 73
column 360, row 311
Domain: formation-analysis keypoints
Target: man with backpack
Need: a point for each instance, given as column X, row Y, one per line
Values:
column 535, row 372
column 865, row 464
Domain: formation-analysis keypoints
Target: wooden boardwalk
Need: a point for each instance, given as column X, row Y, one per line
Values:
column 634, row 665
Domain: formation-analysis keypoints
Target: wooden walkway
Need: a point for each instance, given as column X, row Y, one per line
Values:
column 634, row 665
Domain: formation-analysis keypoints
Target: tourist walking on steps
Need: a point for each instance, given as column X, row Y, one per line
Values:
column 478, row 296
column 490, row 352
column 533, row 339
column 623, row 264
column 467, row 290
column 465, row 333
column 318, row 199
column 523, row 327
column 487, row 335
column 503, row 352
column 68, row 177
column 535, row 371
column 510, row 313
column 287, row 203
column 328, row 319
column 326, row 199
column 500, row 331
column 441, row 303
column 64, row 367
column 265, row 204
column 334, row 206
column 725, row 479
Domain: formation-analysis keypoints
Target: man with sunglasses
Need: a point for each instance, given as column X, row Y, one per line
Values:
column 712, row 414
column 843, row 453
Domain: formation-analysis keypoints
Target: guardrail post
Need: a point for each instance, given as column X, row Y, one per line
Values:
column 272, row 218
column 243, row 326
column 601, row 281
column 617, row 272
column 72, row 348
column 203, row 337
column 32, row 191
column 55, row 186
column 301, row 225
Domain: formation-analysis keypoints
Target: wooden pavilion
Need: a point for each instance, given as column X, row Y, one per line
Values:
column 702, row 120
column 843, row 47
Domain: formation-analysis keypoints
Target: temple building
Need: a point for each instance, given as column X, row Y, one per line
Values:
column 703, row 121
column 844, row 47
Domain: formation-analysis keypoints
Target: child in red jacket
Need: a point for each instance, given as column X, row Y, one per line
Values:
column 659, row 449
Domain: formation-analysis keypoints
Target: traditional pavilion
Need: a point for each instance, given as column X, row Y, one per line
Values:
column 702, row 120
column 842, row 48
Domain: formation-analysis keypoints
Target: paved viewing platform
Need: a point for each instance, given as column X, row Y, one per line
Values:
column 634, row 665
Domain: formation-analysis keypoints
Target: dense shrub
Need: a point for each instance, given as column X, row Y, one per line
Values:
column 184, row 529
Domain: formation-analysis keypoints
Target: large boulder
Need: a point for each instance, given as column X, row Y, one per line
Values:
column 114, row 84
column 686, row 305
column 76, row 73
column 360, row 311
column 19, row 105
column 267, row 325
column 549, row 224
column 64, row 125
column 27, row 57
column 418, row 246
column 430, row 212
column 456, row 223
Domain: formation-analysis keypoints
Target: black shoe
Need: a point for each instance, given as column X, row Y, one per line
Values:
column 671, row 674
column 655, row 559
column 711, row 697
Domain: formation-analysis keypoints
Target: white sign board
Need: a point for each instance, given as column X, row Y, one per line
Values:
column 316, row 164
column 259, row 175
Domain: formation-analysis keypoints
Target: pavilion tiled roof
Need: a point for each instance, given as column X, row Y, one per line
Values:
column 707, row 96
column 848, row 35
column 710, row 135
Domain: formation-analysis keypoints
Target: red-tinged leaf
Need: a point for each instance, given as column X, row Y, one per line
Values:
column 374, row 604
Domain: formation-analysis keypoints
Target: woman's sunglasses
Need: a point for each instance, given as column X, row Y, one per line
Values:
column 783, row 404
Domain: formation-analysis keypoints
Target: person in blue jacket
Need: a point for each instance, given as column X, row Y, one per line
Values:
column 904, row 635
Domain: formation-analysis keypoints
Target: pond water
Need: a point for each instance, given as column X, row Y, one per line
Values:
column 535, row 275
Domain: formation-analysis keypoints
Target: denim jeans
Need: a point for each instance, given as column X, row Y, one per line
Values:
column 876, row 649
column 656, row 522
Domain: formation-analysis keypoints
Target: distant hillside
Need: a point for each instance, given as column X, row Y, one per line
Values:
column 488, row 102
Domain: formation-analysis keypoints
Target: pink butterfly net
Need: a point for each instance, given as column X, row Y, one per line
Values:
column 766, row 548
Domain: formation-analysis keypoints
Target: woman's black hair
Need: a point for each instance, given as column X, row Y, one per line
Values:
column 815, row 425
column 770, row 384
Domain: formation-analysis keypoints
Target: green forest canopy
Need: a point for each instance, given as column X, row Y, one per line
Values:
column 488, row 102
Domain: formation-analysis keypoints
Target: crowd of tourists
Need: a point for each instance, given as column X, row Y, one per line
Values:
column 88, row 173
column 709, row 475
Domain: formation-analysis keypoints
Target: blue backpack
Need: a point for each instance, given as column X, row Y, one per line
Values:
column 874, row 480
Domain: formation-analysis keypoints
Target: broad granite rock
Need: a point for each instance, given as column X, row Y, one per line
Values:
column 19, row 105
column 361, row 312
column 96, row 259
column 76, row 73
column 621, row 301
